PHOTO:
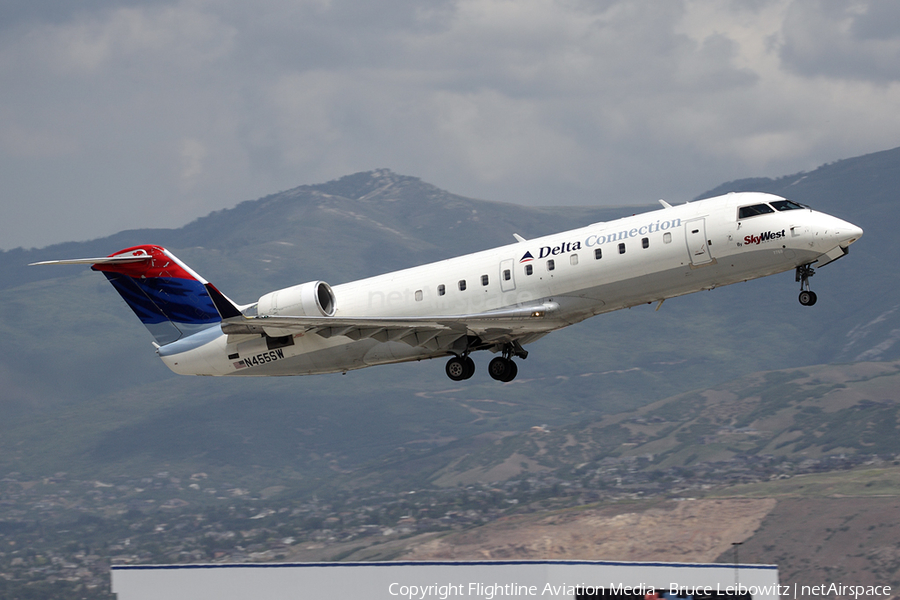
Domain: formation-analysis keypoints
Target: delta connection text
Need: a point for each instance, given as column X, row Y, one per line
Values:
column 597, row 239
column 489, row 591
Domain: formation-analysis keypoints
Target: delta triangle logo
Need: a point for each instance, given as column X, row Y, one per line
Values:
column 527, row 258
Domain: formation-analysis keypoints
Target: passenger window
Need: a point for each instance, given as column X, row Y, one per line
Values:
column 462, row 285
column 529, row 269
column 598, row 254
column 667, row 238
column 786, row 205
column 442, row 290
column 484, row 280
column 551, row 264
column 418, row 295
column 573, row 259
column 507, row 275
column 622, row 248
column 751, row 211
column 645, row 242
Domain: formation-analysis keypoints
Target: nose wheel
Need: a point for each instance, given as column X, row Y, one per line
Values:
column 807, row 296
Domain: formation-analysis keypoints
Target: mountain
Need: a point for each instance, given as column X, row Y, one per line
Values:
column 84, row 392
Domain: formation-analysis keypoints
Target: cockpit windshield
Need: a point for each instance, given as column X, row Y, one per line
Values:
column 786, row 205
column 754, row 210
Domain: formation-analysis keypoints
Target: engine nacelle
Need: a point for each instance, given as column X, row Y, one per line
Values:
column 311, row 299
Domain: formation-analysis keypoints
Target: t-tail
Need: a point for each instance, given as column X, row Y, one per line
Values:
column 169, row 298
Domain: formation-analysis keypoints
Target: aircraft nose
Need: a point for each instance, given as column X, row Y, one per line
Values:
column 849, row 233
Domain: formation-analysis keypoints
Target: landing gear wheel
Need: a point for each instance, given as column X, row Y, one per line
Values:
column 460, row 368
column 807, row 298
column 502, row 369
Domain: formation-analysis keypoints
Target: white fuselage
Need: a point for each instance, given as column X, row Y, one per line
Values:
column 600, row 268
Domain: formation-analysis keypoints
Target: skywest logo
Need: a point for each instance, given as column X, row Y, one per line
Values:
column 764, row 237
column 598, row 239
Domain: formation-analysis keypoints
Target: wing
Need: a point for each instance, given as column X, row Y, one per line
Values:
column 431, row 332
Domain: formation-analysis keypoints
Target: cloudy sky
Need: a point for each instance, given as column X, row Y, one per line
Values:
column 150, row 113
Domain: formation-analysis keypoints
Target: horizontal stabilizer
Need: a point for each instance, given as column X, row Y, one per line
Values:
column 103, row 260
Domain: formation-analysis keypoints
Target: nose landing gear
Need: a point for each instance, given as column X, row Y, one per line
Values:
column 807, row 296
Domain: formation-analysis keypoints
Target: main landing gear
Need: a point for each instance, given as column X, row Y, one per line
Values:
column 501, row 368
column 807, row 296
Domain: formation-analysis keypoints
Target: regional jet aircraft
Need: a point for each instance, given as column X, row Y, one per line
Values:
column 497, row 300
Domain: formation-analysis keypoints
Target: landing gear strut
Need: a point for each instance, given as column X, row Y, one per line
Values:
column 807, row 296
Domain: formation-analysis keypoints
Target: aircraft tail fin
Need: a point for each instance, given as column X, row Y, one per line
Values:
column 169, row 298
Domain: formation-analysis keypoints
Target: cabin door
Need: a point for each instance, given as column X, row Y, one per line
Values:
column 507, row 276
column 697, row 243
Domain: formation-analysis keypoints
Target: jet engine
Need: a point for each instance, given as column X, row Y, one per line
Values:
column 311, row 299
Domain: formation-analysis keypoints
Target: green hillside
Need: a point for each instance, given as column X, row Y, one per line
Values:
column 795, row 416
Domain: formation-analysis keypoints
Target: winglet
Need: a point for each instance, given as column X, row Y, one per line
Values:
column 664, row 203
column 519, row 238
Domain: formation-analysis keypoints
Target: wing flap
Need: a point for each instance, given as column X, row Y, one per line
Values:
column 432, row 332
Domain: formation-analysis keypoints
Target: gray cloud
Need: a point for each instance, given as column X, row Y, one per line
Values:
column 151, row 113
column 850, row 40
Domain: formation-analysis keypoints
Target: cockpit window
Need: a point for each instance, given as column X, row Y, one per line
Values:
column 786, row 205
column 752, row 211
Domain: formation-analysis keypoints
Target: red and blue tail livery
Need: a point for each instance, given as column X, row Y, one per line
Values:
column 167, row 296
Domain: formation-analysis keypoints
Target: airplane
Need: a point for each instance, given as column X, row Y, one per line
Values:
column 497, row 300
